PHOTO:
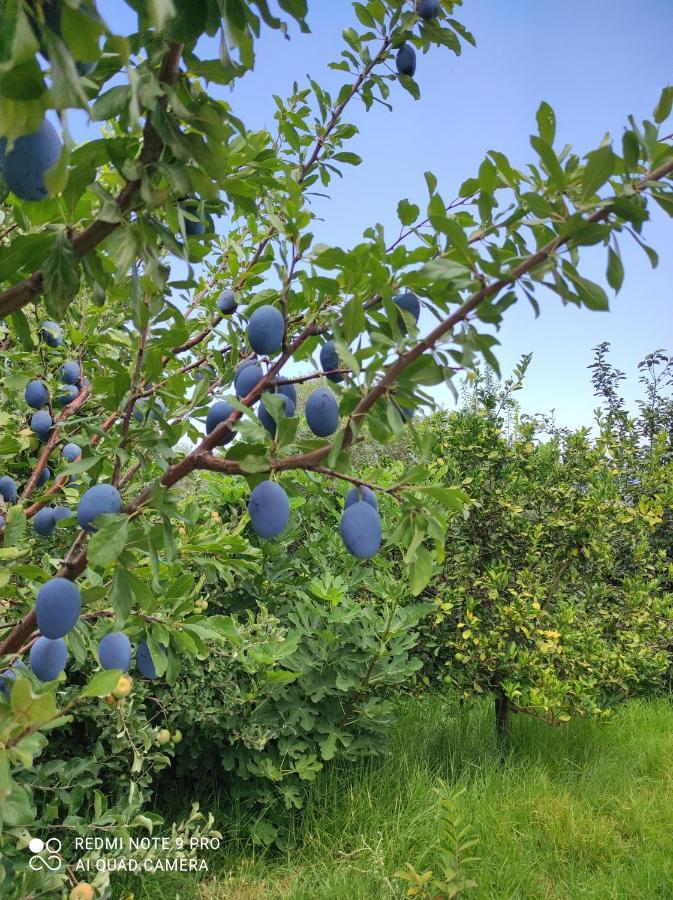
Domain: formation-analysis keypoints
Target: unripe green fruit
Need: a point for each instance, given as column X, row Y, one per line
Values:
column 124, row 687
column 177, row 736
column 164, row 736
column 82, row 891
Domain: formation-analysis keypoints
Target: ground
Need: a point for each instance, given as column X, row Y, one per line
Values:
column 582, row 811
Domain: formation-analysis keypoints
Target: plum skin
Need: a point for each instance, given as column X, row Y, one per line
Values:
column 266, row 330
column 361, row 530
column 23, row 168
column 48, row 658
column 269, row 509
column 57, row 607
column 99, row 499
column 114, row 651
column 322, row 412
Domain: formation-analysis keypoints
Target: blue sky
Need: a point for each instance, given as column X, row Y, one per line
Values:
column 594, row 62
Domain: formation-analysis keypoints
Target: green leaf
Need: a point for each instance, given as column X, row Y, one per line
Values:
column 549, row 160
column 615, row 273
column 590, row 294
column 420, row 570
column 600, row 166
column 407, row 212
column 108, row 542
column 102, row 683
column 61, row 274
column 546, row 123
column 663, row 108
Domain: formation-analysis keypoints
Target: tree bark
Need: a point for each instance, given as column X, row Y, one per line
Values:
column 503, row 709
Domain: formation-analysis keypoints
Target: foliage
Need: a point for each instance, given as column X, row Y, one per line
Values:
column 555, row 590
column 172, row 166
column 455, row 842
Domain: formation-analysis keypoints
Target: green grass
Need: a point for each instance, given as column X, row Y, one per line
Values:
column 585, row 811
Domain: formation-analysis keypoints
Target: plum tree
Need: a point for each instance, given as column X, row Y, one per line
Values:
column 329, row 361
column 25, row 163
column 57, row 607
column 41, row 423
column 406, row 60
column 361, row 492
column 48, row 658
column 226, row 302
column 114, row 651
column 36, row 394
column 361, row 530
column 51, row 334
column 72, row 452
column 322, row 412
column 101, row 257
column 247, row 376
column 96, row 501
column 44, row 522
column 266, row 330
column 71, row 372
column 8, row 489
column 219, row 412
column 267, row 419
column 428, row 9
column 269, row 509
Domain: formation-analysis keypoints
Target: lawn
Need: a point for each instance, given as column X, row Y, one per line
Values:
column 581, row 811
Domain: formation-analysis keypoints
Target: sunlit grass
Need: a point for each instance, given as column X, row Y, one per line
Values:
column 585, row 811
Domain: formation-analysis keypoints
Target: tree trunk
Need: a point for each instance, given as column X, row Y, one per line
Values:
column 502, row 713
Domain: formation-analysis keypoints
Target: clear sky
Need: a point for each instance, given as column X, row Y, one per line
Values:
column 595, row 61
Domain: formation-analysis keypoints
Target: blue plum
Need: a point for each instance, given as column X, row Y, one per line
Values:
column 57, row 607
column 8, row 489
column 71, row 372
column 266, row 329
column 144, row 660
column 44, row 522
column 322, row 412
column 269, row 509
column 406, row 60
column 361, row 530
column 361, row 492
column 192, row 228
column 51, row 334
column 219, row 412
column 114, row 651
column 31, row 155
column 44, row 476
column 62, row 512
column 36, row 394
column 409, row 303
column 69, row 392
column 41, row 423
column 287, row 390
column 267, row 419
column 48, row 658
column 72, row 452
column 10, row 675
column 428, row 9
column 246, row 377
column 226, row 302
column 329, row 360
column 99, row 499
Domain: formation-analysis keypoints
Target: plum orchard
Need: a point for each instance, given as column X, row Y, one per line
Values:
column 86, row 287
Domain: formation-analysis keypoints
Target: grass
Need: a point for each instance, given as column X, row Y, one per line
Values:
column 582, row 811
